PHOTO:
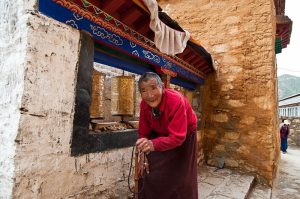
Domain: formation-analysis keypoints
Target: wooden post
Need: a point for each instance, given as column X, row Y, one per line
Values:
column 166, row 80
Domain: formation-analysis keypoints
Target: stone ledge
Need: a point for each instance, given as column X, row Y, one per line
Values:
column 223, row 183
column 90, row 142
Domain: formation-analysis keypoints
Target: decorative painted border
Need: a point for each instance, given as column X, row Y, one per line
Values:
column 102, row 29
column 95, row 14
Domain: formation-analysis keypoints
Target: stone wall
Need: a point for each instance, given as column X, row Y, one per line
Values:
column 44, row 163
column 39, row 84
column 240, row 110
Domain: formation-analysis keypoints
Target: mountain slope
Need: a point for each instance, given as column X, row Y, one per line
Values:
column 288, row 85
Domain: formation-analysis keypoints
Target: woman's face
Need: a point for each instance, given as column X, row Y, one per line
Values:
column 151, row 92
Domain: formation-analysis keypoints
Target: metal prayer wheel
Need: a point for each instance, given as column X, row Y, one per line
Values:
column 138, row 100
column 122, row 93
column 97, row 104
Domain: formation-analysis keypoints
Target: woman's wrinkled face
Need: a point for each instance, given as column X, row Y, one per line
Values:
column 151, row 92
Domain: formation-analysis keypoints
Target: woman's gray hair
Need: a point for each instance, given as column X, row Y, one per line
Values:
column 150, row 75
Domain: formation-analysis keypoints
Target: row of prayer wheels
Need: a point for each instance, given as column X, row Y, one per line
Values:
column 122, row 96
column 123, row 93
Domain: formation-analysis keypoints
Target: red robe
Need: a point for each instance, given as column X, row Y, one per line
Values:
column 176, row 120
column 173, row 164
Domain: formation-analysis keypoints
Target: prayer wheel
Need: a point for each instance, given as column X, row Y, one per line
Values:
column 122, row 93
column 138, row 100
column 97, row 104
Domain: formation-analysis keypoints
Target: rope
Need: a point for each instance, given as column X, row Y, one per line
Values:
column 129, row 174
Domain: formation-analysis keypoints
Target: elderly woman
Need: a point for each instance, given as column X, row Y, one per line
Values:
column 167, row 135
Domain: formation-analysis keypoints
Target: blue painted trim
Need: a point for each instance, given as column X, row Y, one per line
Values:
column 121, row 64
column 59, row 13
column 134, row 68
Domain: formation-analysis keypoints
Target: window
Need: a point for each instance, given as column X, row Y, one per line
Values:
column 96, row 131
column 99, row 131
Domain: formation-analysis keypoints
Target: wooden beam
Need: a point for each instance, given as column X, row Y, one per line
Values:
column 143, row 28
column 130, row 16
column 185, row 57
column 194, row 60
column 185, row 52
column 111, row 7
column 203, row 65
column 192, row 56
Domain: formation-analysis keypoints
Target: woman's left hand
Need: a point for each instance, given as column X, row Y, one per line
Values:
column 144, row 145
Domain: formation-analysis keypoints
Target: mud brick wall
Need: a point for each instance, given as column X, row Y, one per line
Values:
column 240, row 97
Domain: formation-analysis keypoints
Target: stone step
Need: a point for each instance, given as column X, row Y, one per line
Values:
column 260, row 192
column 214, row 183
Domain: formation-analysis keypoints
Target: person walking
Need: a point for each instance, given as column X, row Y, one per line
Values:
column 284, row 132
column 167, row 137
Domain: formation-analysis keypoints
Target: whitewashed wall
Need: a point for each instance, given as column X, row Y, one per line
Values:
column 12, row 53
column 39, row 60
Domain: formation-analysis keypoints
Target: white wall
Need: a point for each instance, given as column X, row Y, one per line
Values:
column 12, row 53
column 39, row 61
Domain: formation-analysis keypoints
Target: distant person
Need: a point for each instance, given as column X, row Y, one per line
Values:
column 284, row 132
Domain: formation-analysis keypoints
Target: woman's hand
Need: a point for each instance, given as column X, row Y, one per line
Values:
column 144, row 145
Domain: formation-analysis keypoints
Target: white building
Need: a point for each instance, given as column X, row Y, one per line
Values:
column 290, row 106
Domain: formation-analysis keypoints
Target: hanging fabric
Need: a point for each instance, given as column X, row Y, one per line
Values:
column 166, row 39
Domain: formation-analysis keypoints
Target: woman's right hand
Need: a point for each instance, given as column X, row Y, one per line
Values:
column 144, row 145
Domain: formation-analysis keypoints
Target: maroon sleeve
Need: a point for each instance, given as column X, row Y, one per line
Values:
column 177, row 127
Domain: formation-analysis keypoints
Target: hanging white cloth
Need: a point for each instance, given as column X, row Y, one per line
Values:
column 166, row 39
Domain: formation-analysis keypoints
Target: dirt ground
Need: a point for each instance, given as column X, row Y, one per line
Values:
column 287, row 183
